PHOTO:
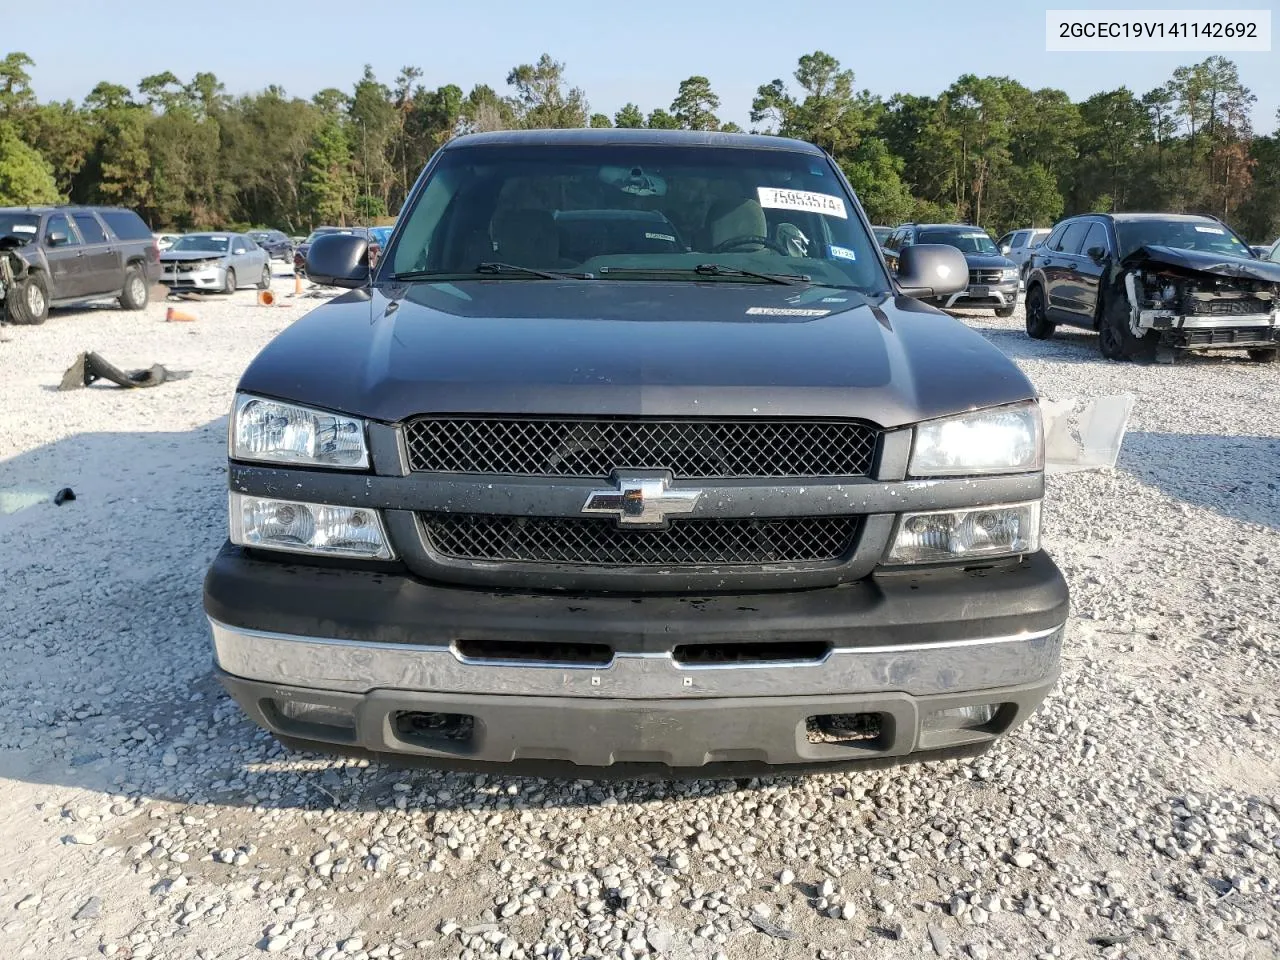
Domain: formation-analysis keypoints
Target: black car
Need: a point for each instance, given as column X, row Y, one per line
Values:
column 993, row 277
column 277, row 245
column 1153, row 284
column 70, row 255
column 300, row 251
column 631, row 454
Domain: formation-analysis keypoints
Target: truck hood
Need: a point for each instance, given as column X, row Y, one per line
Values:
column 1201, row 261
column 640, row 348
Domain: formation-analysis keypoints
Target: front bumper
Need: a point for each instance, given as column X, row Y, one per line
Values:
column 211, row 279
column 377, row 646
column 1211, row 333
column 985, row 295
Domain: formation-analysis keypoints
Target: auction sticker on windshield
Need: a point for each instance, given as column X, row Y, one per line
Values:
column 785, row 312
column 23, row 228
column 778, row 199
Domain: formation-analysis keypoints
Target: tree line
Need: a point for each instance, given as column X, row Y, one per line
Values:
column 186, row 154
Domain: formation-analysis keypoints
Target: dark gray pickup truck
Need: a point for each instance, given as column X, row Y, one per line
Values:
column 632, row 456
column 70, row 255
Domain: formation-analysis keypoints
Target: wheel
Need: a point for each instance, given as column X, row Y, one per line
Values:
column 265, row 282
column 135, row 294
column 1116, row 341
column 29, row 300
column 1264, row 355
column 229, row 284
column 1039, row 326
column 1005, row 311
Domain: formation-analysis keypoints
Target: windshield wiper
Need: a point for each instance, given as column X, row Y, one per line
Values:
column 492, row 266
column 715, row 270
column 488, row 268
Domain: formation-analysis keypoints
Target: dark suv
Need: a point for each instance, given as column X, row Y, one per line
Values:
column 1153, row 284
column 993, row 277
column 72, row 255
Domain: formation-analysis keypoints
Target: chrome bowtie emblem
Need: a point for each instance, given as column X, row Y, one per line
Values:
column 641, row 501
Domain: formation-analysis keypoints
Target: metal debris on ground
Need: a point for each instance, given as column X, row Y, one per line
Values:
column 63, row 495
column 90, row 368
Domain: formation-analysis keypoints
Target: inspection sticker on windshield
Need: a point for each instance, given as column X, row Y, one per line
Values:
column 824, row 203
column 1217, row 230
column 844, row 253
column 784, row 312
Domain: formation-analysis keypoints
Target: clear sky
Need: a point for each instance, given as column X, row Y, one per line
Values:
column 635, row 50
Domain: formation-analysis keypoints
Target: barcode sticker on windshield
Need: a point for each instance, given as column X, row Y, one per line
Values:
column 1217, row 230
column 660, row 236
column 824, row 203
column 22, row 228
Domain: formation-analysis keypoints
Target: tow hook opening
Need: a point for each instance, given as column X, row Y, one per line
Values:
column 453, row 732
column 863, row 730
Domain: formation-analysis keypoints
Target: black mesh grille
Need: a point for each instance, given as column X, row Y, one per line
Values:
column 599, row 542
column 694, row 449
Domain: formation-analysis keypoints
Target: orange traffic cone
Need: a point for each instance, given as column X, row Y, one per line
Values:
column 172, row 315
column 266, row 298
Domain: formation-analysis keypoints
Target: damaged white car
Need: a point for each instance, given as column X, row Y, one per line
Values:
column 1153, row 285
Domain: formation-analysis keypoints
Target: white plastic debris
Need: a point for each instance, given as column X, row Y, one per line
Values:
column 1084, row 434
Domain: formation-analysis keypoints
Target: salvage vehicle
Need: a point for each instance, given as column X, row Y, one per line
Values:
column 217, row 262
column 631, row 457
column 994, row 279
column 1153, row 285
column 72, row 255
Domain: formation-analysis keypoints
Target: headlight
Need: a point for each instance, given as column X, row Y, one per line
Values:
column 1009, row 273
column 997, row 440
column 275, row 432
column 315, row 528
column 975, row 533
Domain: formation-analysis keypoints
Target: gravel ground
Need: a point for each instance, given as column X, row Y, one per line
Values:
column 1136, row 815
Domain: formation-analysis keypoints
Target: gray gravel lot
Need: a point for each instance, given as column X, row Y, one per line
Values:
column 1137, row 815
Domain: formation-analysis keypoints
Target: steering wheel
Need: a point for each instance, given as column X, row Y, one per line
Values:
column 724, row 246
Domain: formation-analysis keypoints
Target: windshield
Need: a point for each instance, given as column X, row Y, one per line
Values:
column 1037, row 238
column 20, row 225
column 636, row 213
column 966, row 241
column 1205, row 235
column 882, row 233
column 202, row 244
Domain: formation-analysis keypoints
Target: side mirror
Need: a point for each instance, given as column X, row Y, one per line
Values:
column 56, row 239
column 239, row 250
column 1005, row 248
column 339, row 260
column 1097, row 254
column 932, row 270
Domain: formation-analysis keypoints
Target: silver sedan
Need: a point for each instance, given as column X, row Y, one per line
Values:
column 217, row 262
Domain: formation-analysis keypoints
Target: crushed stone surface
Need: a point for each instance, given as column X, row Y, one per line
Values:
column 1136, row 815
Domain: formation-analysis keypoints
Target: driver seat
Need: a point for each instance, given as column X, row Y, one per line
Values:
column 730, row 219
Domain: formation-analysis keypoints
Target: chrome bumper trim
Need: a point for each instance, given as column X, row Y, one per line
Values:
column 922, row 669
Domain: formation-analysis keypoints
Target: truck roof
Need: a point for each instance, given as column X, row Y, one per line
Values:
column 614, row 136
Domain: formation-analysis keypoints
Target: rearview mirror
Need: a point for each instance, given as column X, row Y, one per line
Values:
column 56, row 239
column 339, row 260
column 1005, row 248
column 932, row 270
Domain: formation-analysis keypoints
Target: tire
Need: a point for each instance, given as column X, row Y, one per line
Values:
column 1005, row 311
column 1264, row 355
column 1039, row 326
column 29, row 301
column 1117, row 342
column 229, row 281
column 265, row 282
column 135, row 294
